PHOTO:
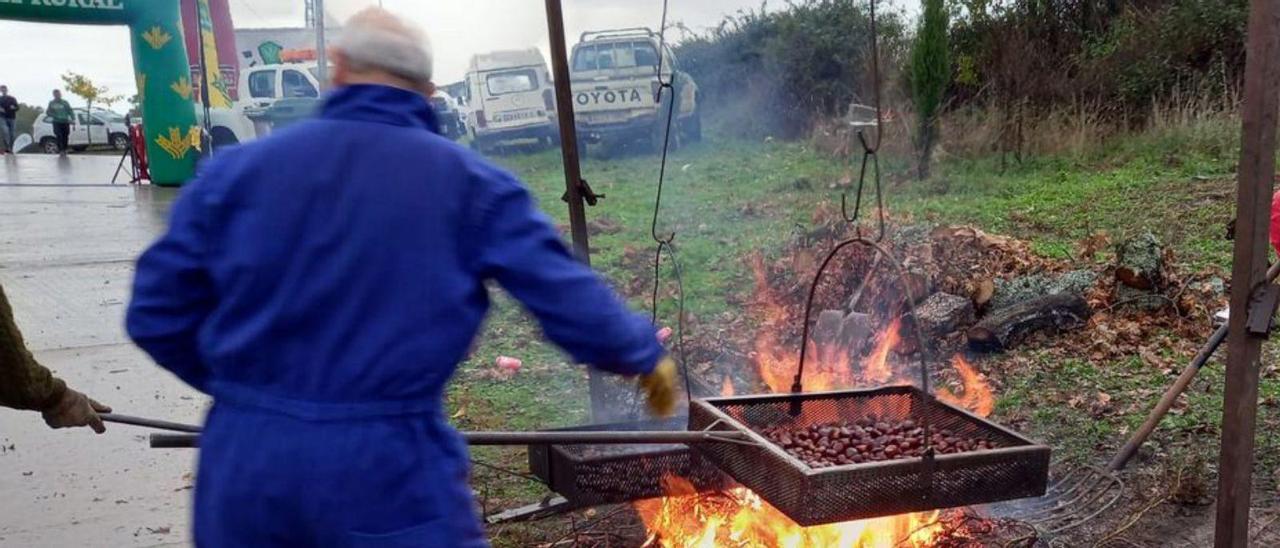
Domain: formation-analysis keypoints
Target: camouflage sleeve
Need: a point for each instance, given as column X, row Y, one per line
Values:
column 24, row 384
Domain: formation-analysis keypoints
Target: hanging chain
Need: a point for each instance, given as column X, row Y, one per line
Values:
column 870, row 151
column 667, row 242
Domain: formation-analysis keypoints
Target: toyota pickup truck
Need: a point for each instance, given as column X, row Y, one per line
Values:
column 615, row 82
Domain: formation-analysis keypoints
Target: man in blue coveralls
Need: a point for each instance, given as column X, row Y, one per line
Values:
column 323, row 283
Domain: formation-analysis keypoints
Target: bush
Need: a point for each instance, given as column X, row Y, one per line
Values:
column 776, row 72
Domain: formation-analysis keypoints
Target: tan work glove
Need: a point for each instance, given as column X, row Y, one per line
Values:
column 76, row 409
column 660, row 388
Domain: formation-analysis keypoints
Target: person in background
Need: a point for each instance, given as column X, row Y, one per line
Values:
column 8, row 119
column 327, row 347
column 60, row 113
column 25, row 384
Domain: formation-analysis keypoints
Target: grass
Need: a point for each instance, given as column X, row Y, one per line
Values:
column 726, row 198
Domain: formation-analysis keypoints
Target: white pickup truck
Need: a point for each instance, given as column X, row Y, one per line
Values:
column 615, row 83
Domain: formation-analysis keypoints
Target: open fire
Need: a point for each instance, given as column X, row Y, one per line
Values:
column 739, row 517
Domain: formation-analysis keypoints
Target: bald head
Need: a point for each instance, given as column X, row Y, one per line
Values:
column 376, row 47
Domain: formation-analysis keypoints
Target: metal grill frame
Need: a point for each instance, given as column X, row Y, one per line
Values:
column 637, row 474
column 1019, row 468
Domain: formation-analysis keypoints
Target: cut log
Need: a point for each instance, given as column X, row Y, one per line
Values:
column 1008, row 327
column 1140, row 262
column 1024, row 288
column 943, row 313
column 983, row 293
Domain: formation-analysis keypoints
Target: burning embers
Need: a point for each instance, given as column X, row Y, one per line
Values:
column 738, row 517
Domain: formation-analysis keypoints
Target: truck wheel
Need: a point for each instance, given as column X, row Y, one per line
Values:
column 119, row 141
column 693, row 127
column 658, row 135
column 222, row 137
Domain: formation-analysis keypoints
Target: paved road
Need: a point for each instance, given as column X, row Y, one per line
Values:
column 67, row 244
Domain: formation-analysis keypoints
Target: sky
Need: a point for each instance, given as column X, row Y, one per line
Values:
column 33, row 55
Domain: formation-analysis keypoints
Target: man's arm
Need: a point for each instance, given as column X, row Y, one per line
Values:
column 172, row 292
column 25, row 384
column 522, row 251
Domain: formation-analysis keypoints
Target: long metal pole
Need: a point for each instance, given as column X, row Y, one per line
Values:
column 322, row 54
column 600, row 388
column 568, row 132
column 173, row 441
column 1249, row 262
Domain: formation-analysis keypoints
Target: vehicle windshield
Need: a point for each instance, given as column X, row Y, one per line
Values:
column 512, row 81
column 108, row 116
column 615, row 55
column 315, row 72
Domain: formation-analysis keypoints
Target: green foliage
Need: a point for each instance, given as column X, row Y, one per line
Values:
column 774, row 72
column 1122, row 55
column 26, row 119
column 930, row 75
column 81, row 86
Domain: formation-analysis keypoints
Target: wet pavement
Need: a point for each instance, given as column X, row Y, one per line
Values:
column 68, row 239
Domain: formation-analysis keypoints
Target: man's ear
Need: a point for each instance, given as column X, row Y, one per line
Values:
column 341, row 73
column 429, row 89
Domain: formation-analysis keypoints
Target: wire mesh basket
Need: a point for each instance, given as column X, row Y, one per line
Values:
column 1015, row 468
column 588, row 475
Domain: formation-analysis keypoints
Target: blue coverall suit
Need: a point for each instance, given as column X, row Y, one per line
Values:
column 322, row 284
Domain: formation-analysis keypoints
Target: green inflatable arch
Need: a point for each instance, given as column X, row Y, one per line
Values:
column 160, row 66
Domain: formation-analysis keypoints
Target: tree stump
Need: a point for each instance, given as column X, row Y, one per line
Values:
column 1140, row 262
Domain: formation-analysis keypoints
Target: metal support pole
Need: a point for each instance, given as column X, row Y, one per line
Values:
column 601, row 389
column 1249, row 262
column 568, row 132
column 322, row 54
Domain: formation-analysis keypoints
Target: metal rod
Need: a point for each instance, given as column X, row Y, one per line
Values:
column 626, row 437
column 322, row 53
column 597, row 384
column 149, row 423
column 1179, row 386
column 568, row 132
column 1256, row 171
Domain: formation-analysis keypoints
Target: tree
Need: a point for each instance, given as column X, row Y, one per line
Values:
column 82, row 86
column 930, row 75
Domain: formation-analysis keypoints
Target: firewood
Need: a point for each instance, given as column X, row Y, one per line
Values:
column 1008, row 327
column 943, row 313
column 983, row 293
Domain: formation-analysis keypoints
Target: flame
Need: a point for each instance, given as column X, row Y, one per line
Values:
column 876, row 368
column 739, row 517
column 977, row 396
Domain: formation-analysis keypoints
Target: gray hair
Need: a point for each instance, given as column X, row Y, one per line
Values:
column 376, row 39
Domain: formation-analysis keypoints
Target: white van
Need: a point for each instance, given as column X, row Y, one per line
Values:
column 508, row 96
